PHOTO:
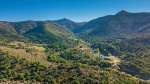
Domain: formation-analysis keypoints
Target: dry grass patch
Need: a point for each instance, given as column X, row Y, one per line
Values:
column 33, row 56
column 38, row 48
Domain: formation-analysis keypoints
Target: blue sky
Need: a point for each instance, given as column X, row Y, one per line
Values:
column 76, row 10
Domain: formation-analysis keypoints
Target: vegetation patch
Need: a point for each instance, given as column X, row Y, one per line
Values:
column 38, row 48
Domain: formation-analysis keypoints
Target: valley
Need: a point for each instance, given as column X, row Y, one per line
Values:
column 113, row 49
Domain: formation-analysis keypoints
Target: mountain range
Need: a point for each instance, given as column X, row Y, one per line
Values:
column 121, row 25
column 27, row 27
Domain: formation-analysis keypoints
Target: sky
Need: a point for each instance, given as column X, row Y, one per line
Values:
column 75, row 10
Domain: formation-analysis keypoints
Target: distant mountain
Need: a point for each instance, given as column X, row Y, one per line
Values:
column 121, row 25
column 70, row 25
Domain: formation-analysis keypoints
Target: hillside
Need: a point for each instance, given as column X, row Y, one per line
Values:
column 47, row 32
column 133, row 52
column 136, row 56
column 121, row 25
column 20, row 28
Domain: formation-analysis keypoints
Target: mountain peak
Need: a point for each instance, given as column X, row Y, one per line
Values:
column 122, row 12
column 64, row 19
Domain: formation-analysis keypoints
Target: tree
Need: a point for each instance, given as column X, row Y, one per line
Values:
column 21, row 76
column 109, row 54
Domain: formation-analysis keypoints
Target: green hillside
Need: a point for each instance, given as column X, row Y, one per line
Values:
column 121, row 25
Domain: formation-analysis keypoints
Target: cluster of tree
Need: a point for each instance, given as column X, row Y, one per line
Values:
column 136, row 65
column 134, row 53
column 83, row 57
column 134, row 45
column 12, row 68
column 106, row 48
column 136, row 56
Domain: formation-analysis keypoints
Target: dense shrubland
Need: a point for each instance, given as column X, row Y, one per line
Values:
column 13, row 68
